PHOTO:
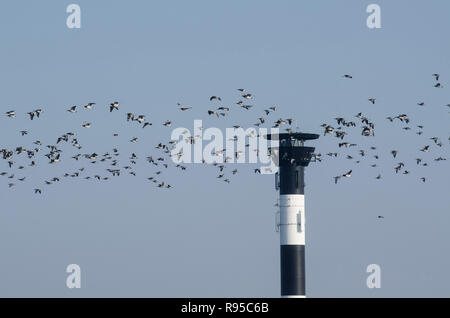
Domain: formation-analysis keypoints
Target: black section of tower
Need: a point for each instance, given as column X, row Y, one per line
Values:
column 293, row 157
column 292, row 269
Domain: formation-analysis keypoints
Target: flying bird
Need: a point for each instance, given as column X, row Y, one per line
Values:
column 113, row 106
column 348, row 174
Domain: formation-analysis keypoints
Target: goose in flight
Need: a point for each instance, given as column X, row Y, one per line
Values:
column 31, row 115
column 435, row 139
column 215, row 97
column 425, row 149
column 367, row 131
column 347, row 76
column 11, row 114
column 399, row 167
column 404, row 117
column 72, row 109
column 348, row 174
column 183, row 108
column 212, row 112
column 436, row 76
column 140, row 119
column 328, row 130
column 372, row 100
column 130, row 116
column 89, row 105
column 113, row 106
column 54, row 160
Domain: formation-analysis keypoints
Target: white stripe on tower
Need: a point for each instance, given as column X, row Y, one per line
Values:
column 292, row 219
column 292, row 245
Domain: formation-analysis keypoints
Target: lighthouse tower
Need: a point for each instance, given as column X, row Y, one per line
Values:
column 293, row 157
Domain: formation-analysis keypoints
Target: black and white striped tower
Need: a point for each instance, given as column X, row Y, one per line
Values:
column 293, row 157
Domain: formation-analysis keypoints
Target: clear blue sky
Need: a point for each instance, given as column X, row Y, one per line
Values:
column 205, row 238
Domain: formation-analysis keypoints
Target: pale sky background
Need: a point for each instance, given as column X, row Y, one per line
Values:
column 206, row 238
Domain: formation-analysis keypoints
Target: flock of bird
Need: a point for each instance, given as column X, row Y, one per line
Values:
column 20, row 158
column 344, row 127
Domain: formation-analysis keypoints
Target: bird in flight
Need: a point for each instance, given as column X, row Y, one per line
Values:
column 183, row 108
column 348, row 174
column 36, row 113
column 425, row 149
column 113, row 106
